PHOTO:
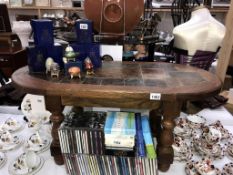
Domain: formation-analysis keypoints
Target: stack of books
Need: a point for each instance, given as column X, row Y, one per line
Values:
column 112, row 143
column 119, row 133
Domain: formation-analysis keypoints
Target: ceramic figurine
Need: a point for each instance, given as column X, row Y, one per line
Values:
column 55, row 70
column 74, row 72
column 49, row 61
column 142, row 53
column 89, row 66
column 70, row 55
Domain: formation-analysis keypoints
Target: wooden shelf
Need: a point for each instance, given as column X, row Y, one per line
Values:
column 39, row 9
column 163, row 9
column 45, row 8
column 213, row 10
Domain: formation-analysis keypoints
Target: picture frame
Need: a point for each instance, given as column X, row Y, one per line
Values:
column 28, row 3
column 162, row 3
column 221, row 3
column 15, row 3
column 42, row 3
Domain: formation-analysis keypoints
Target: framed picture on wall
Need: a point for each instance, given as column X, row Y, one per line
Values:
column 28, row 2
column 15, row 3
column 221, row 3
column 44, row 3
column 161, row 3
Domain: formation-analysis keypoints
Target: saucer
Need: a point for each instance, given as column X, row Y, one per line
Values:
column 15, row 144
column 215, row 151
column 184, row 156
column 31, row 145
column 182, row 132
column 22, row 169
column 230, row 150
column 12, row 125
column 2, row 159
column 195, row 121
column 205, row 167
column 228, row 169
column 190, row 169
column 218, row 125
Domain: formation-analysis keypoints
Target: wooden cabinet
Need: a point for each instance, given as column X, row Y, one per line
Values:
column 9, row 62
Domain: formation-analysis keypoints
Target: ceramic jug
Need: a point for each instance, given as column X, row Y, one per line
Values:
column 116, row 17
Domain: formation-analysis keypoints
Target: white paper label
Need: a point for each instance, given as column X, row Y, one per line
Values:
column 83, row 26
column 155, row 96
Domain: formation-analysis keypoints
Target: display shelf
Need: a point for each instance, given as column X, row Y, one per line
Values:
column 214, row 10
column 39, row 9
column 165, row 9
column 45, row 8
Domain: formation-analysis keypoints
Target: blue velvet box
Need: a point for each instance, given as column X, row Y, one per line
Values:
column 42, row 32
column 37, row 57
column 91, row 50
column 84, row 31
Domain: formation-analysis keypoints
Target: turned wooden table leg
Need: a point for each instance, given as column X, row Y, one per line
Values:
column 171, row 110
column 155, row 123
column 53, row 104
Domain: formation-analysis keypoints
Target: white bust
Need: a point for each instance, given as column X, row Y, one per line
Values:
column 201, row 32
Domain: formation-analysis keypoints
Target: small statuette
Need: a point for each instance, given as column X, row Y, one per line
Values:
column 74, row 72
column 70, row 55
column 89, row 66
column 55, row 70
column 48, row 64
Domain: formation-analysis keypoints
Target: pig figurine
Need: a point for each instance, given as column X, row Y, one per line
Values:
column 74, row 72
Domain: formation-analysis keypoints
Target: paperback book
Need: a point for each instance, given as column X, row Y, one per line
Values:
column 120, row 129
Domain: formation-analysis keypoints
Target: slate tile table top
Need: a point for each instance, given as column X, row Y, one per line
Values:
column 125, row 85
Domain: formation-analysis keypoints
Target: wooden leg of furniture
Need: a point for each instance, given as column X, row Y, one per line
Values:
column 171, row 110
column 155, row 123
column 54, row 105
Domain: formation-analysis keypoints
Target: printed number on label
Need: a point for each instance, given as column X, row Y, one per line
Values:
column 83, row 26
column 155, row 96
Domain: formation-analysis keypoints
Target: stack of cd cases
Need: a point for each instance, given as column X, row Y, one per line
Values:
column 82, row 141
column 82, row 133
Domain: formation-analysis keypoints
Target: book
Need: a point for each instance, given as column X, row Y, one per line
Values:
column 150, row 150
column 119, row 152
column 120, row 123
column 120, row 129
column 127, row 141
column 140, row 145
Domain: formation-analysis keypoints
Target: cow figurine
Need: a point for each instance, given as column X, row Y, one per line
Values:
column 49, row 61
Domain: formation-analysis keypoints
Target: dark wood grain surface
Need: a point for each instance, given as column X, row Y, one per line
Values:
column 127, row 79
column 125, row 85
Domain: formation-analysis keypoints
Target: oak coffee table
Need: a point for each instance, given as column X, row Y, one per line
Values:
column 158, row 87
